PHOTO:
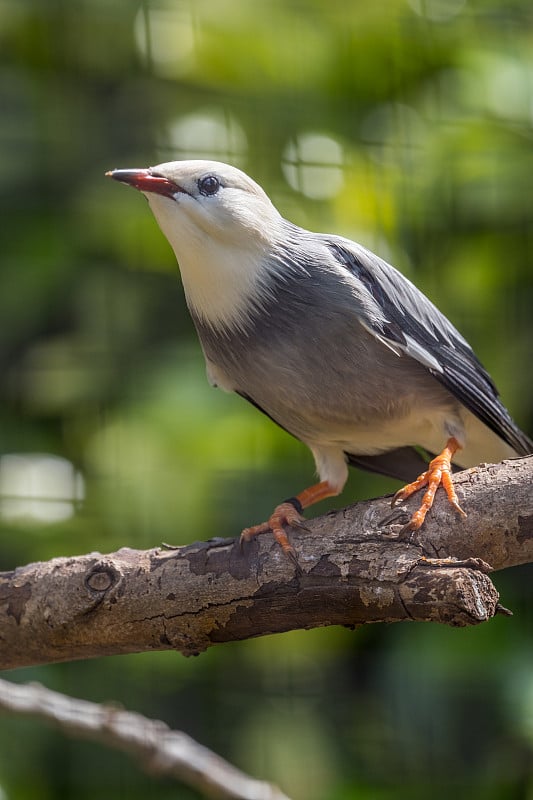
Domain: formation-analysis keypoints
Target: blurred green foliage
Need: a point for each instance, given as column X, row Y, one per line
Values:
column 406, row 124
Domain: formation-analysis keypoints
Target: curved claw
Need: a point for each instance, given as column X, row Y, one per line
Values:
column 247, row 534
column 437, row 474
column 284, row 514
column 288, row 513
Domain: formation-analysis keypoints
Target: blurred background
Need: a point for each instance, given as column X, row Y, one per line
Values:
column 404, row 124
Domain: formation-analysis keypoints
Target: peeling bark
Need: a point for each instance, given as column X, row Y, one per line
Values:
column 355, row 569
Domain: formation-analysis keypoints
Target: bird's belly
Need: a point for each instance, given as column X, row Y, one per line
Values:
column 364, row 421
column 362, row 399
column 378, row 433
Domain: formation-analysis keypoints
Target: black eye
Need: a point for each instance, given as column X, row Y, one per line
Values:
column 209, row 185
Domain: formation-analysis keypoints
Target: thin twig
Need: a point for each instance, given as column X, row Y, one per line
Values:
column 158, row 749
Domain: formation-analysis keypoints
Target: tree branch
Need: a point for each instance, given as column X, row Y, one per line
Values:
column 158, row 749
column 354, row 569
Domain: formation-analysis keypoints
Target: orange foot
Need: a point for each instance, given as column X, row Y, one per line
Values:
column 284, row 514
column 439, row 472
column 290, row 513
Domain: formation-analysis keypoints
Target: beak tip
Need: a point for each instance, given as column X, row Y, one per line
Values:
column 144, row 181
column 128, row 176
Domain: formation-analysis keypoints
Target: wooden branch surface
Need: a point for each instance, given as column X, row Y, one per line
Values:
column 355, row 569
column 154, row 746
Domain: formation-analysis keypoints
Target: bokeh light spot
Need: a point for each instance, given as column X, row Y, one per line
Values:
column 210, row 133
column 37, row 486
column 313, row 165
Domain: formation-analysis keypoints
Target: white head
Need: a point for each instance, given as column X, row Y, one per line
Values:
column 221, row 226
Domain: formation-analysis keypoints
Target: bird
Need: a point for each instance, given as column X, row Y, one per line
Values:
column 327, row 339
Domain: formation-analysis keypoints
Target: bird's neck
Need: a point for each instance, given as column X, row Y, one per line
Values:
column 223, row 285
column 223, row 280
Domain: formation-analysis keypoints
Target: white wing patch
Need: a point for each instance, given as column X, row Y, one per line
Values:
column 411, row 348
column 418, row 352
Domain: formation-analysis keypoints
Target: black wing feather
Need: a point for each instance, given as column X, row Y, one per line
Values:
column 407, row 314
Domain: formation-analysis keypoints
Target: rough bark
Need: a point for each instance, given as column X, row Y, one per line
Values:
column 355, row 568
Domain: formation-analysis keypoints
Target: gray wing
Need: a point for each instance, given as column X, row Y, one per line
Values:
column 403, row 318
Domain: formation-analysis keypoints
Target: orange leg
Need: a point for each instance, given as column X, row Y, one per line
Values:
column 439, row 473
column 289, row 513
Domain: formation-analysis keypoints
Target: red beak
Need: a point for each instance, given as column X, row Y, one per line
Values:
column 145, row 181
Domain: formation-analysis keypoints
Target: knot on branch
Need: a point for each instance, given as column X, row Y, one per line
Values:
column 102, row 577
